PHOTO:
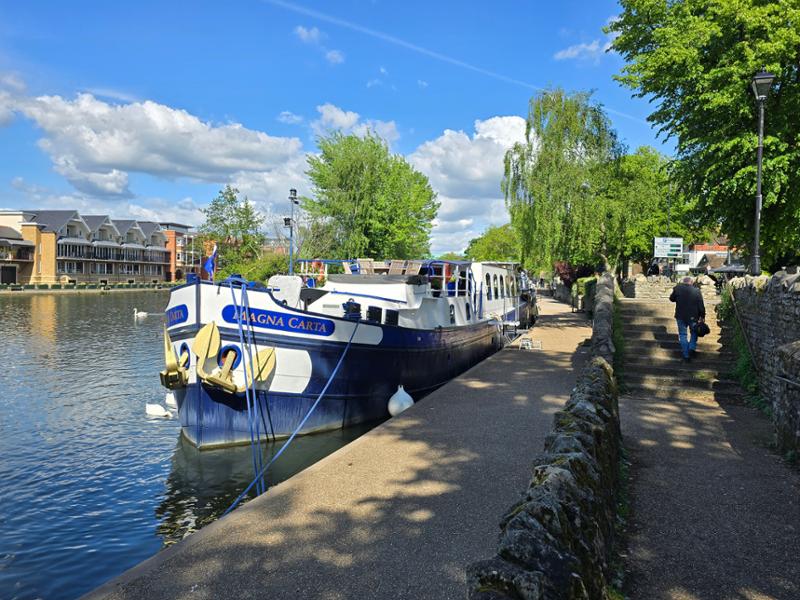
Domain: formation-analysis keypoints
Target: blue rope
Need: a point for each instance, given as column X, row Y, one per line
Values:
column 257, row 416
column 300, row 426
column 253, row 446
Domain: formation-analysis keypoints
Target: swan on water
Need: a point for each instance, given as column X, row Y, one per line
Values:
column 156, row 410
column 139, row 314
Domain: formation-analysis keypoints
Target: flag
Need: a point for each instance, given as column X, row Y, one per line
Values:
column 211, row 263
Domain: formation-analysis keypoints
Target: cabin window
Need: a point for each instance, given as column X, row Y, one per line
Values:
column 495, row 289
column 452, row 315
column 488, row 287
column 469, row 311
column 508, row 293
column 503, row 288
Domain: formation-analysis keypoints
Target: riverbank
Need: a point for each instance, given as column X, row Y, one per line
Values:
column 23, row 290
column 401, row 511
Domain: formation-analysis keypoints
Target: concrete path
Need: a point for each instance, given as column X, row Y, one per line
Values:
column 401, row 511
column 715, row 515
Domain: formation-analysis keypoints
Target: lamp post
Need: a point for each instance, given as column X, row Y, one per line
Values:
column 761, row 84
column 290, row 223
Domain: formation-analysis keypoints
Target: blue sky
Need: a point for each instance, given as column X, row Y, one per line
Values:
column 148, row 108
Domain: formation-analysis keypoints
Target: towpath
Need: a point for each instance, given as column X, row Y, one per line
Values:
column 715, row 515
column 401, row 511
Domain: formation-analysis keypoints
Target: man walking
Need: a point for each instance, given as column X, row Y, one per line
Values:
column 689, row 311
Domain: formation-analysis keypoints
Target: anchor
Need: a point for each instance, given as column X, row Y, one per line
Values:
column 207, row 345
column 175, row 375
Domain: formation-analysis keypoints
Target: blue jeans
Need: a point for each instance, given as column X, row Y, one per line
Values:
column 691, row 344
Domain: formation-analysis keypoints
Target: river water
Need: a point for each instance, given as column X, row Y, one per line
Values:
column 90, row 486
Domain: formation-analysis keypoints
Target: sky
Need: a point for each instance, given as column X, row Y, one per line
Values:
column 147, row 109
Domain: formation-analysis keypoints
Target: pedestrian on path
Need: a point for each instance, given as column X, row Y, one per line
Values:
column 689, row 311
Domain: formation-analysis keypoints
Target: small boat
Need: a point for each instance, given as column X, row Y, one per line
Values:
column 247, row 362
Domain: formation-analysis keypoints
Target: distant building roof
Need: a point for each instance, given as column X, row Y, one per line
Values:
column 94, row 221
column 9, row 233
column 175, row 226
column 53, row 220
column 124, row 225
column 148, row 227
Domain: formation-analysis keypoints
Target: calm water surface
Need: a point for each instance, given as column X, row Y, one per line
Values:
column 90, row 486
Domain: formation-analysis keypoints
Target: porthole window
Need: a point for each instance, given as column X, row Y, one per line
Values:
column 185, row 350
column 452, row 315
column 223, row 353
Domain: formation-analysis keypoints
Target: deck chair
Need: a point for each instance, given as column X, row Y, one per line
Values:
column 366, row 266
column 413, row 267
column 397, row 267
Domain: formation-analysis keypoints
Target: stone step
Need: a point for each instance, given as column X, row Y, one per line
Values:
column 639, row 347
column 661, row 332
column 667, row 394
column 670, row 362
column 680, row 379
column 654, row 354
column 663, row 321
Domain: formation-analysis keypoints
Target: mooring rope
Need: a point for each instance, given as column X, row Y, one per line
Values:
column 299, row 426
column 254, row 434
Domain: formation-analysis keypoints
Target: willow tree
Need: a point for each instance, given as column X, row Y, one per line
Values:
column 555, row 182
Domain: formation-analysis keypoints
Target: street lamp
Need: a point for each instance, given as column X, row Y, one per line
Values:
column 290, row 224
column 761, row 84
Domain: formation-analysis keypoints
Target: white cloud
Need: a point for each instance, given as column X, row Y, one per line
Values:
column 95, row 144
column 308, row 36
column 6, row 108
column 466, row 171
column 289, row 118
column 13, row 82
column 383, row 71
column 590, row 51
column 334, row 118
column 184, row 210
column 374, row 82
column 335, row 57
column 422, row 83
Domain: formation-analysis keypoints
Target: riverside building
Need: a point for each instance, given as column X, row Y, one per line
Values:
column 63, row 246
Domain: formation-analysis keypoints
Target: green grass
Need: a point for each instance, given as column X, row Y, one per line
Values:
column 744, row 370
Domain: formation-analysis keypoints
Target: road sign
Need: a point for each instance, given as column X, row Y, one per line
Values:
column 665, row 247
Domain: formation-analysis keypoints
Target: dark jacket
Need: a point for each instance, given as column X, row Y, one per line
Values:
column 688, row 302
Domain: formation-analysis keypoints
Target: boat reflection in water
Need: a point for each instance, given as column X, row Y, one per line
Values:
column 203, row 484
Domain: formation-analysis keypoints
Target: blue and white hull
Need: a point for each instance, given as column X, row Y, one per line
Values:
column 307, row 347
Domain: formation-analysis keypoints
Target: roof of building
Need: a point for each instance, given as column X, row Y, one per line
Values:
column 53, row 220
column 123, row 225
column 9, row 233
column 148, row 227
column 94, row 221
column 174, row 225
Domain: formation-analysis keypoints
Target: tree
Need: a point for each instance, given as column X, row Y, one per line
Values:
column 496, row 243
column 694, row 59
column 451, row 256
column 370, row 203
column 235, row 225
column 643, row 205
column 554, row 181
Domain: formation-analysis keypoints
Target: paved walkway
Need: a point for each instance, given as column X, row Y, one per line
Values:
column 715, row 515
column 401, row 511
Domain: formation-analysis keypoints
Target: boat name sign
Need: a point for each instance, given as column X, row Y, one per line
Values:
column 177, row 314
column 281, row 321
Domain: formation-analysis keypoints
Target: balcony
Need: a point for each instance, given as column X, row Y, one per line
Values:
column 15, row 256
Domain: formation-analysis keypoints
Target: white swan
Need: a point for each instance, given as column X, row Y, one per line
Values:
column 156, row 410
column 139, row 315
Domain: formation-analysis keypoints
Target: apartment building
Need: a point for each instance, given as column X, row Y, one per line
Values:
column 185, row 255
column 63, row 246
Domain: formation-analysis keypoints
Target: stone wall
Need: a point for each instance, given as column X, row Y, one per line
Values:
column 658, row 287
column 557, row 541
column 769, row 310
